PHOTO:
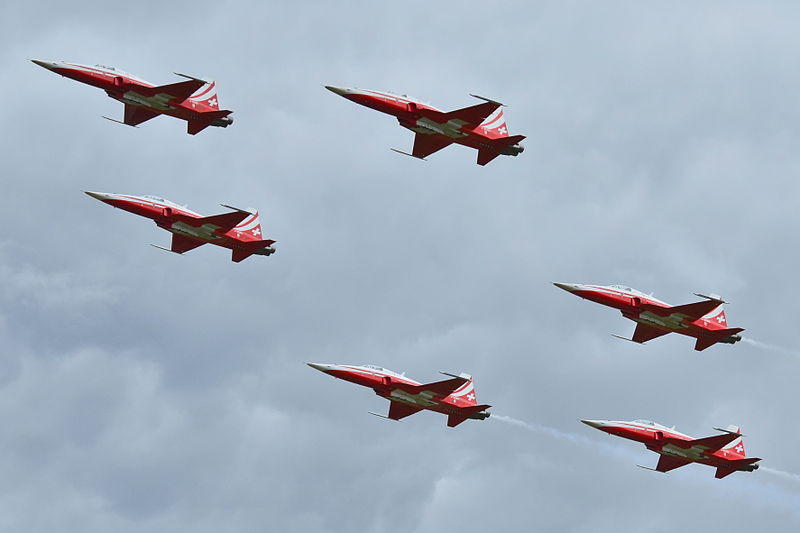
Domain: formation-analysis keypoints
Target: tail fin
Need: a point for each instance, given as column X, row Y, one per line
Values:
column 736, row 446
column 495, row 125
column 250, row 226
column 718, row 316
column 466, row 392
column 206, row 96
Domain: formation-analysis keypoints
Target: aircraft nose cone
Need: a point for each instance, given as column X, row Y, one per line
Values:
column 99, row 195
column 570, row 287
column 320, row 366
column 338, row 90
column 49, row 65
column 594, row 423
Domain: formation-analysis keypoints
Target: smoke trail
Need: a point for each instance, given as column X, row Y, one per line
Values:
column 781, row 474
column 771, row 347
column 606, row 447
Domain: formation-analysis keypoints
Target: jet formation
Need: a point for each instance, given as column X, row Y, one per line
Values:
column 238, row 230
column 725, row 452
column 454, row 397
column 704, row 320
column 194, row 101
column 481, row 126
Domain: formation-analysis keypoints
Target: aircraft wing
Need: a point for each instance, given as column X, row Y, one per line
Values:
column 437, row 388
column 472, row 115
column 175, row 91
column 717, row 442
column 667, row 463
column 135, row 115
column 644, row 333
column 694, row 310
column 225, row 221
column 182, row 244
column 426, row 144
column 399, row 410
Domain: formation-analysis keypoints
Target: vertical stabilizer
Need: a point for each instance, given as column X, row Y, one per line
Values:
column 495, row 125
column 466, row 392
column 718, row 316
column 207, row 95
column 250, row 226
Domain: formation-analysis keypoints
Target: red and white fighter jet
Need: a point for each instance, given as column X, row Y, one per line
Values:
column 480, row 126
column 194, row 101
column 725, row 451
column 704, row 320
column 454, row 397
column 239, row 230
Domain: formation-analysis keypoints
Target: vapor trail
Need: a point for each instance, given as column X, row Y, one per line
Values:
column 781, row 474
column 771, row 347
column 555, row 433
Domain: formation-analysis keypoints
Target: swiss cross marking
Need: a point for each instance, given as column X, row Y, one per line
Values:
column 740, row 448
column 471, row 396
column 212, row 102
column 256, row 231
column 720, row 319
column 503, row 130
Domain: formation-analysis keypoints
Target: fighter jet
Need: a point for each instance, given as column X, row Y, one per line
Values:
column 239, row 230
column 454, row 397
column 725, row 452
column 481, row 126
column 194, row 101
column 704, row 320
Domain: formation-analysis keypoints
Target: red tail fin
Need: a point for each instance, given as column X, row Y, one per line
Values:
column 206, row 96
column 250, row 226
column 466, row 392
column 495, row 125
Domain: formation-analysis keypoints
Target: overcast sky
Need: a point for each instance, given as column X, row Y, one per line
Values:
column 142, row 391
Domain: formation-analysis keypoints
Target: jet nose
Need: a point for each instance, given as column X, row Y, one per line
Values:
column 570, row 287
column 320, row 366
column 338, row 90
column 102, row 196
column 594, row 423
column 49, row 65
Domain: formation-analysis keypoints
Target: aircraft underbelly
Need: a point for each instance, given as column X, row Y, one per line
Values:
column 676, row 451
column 411, row 399
column 158, row 101
column 651, row 319
column 201, row 232
column 426, row 125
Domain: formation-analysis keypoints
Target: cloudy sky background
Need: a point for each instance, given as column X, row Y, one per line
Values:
column 142, row 391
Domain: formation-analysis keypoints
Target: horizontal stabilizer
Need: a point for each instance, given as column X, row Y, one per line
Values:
column 715, row 337
column 466, row 413
column 249, row 248
column 736, row 466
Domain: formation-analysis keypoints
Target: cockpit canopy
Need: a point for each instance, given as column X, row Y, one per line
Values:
column 161, row 200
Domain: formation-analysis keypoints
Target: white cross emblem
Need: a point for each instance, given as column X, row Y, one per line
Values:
column 212, row 102
column 256, row 231
column 740, row 448
column 720, row 319
column 471, row 396
column 503, row 130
